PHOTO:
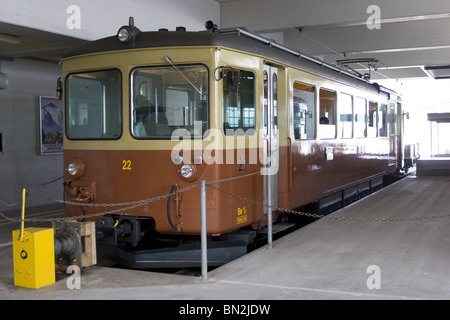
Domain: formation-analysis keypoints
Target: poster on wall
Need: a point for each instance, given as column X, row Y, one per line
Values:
column 51, row 125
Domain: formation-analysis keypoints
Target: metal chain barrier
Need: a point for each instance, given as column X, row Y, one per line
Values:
column 29, row 187
column 320, row 216
column 45, row 183
column 32, row 186
column 124, row 206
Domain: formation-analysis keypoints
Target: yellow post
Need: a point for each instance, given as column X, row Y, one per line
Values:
column 24, row 192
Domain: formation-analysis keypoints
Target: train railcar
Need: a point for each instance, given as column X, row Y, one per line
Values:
column 150, row 114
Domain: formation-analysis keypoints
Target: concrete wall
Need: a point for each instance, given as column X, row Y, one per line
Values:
column 21, row 164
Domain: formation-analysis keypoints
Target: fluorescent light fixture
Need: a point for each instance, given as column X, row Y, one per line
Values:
column 438, row 71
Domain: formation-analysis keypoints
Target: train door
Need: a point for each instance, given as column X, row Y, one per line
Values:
column 270, row 137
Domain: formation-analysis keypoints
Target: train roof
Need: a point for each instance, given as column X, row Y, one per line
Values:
column 234, row 38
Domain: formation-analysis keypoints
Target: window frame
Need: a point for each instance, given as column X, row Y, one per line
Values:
column 358, row 123
column 240, row 130
column 349, row 116
column 383, row 120
column 67, row 109
column 372, row 131
column 307, row 113
column 205, row 130
column 322, row 126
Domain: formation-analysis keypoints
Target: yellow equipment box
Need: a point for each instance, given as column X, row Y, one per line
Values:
column 34, row 257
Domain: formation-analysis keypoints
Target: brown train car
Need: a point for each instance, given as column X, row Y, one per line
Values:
column 148, row 115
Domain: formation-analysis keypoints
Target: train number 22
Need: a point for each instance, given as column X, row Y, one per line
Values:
column 126, row 165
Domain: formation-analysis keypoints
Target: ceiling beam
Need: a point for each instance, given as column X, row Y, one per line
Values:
column 345, row 24
column 411, row 34
column 271, row 15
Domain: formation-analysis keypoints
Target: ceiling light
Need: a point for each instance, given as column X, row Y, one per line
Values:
column 438, row 71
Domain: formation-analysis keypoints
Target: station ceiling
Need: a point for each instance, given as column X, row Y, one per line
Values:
column 402, row 36
column 397, row 39
column 22, row 42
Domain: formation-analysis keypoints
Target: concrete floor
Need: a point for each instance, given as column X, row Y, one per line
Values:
column 327, row 259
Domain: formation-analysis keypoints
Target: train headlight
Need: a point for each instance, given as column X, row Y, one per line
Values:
column 72, row 169
column 127, row 33
column 187, row 171
column 76, row 168
column 124, row 34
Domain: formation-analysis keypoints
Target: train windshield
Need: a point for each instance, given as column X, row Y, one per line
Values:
column 169, row 98
column 94, row 105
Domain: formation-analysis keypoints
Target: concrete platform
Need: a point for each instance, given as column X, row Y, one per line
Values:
column 327, row 259
column 437, row 166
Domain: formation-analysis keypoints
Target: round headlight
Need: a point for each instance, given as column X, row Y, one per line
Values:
column 72, row 168
column 124, row 34
column 187, row 171
column 76, row 168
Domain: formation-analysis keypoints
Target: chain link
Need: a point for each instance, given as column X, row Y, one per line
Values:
column 29, row 187
column 320, row 216
column 125, row 206
column 45, row 183
column 128, row 206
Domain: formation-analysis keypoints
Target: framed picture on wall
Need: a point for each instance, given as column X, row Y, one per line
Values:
column 51, row 125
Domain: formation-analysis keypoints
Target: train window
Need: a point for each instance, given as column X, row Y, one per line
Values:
column 239, row 105
column 383, row 121
column 360, row 117
column 392, row 118
column 167, row 98
column 400, row 124
column 94, row 105
column 327, row 114
column 304, row 114
column 346, row 115
column 373, row 120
